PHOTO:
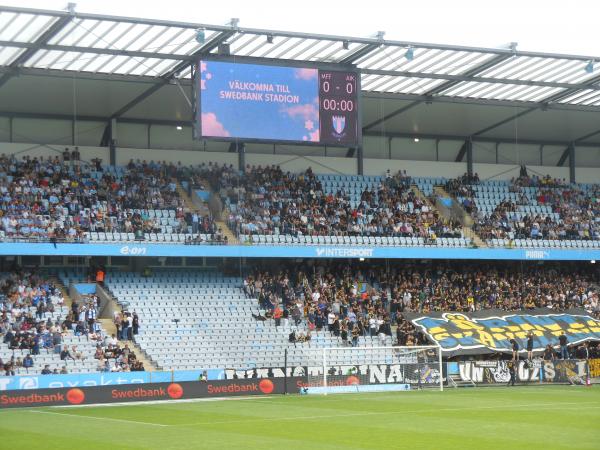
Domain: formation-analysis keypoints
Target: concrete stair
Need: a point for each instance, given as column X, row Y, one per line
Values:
column 106, row 315
column 65, row 292
column 107, row 325
column 110, row 328
column 189, row 202
column 231, row 238
column 204, row 211
column 458, row 211
column 422, row 197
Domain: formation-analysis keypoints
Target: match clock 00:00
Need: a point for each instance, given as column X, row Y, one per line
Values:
column 338, row 107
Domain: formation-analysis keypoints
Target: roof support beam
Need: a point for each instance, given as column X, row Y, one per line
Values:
column 573, row 90
column 461, row 153
column 572, row 164
column 564, row 156
column 569, row 154
column 587, row 136
column 394, row 113
column 469, row 144
column 359, row 53
column 280, row 33
column 505, row 121
column 70, row 74
column 166, row 122
column 166, row 78
column 450, row 137
column 469, row 73
column 466, row 149
column 52, row 31
column 438, row 89
column 95, row 50
column 476, row 79
column 479, row 101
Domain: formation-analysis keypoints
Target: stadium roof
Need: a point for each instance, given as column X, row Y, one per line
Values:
column 152, row 53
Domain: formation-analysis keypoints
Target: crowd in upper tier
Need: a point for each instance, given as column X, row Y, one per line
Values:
column 62, row 200
column 267, row 200
column 352, row 299
column 68, row 200
column 531, row 207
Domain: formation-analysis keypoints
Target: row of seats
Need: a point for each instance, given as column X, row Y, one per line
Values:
column 395, row 241
column 212, row 330
column 168, row 236
column 544, row 243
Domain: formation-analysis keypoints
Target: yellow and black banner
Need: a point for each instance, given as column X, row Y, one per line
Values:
column 492, row 330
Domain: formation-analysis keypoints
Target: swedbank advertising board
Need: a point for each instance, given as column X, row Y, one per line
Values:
column 140, row 392
column 490, row 331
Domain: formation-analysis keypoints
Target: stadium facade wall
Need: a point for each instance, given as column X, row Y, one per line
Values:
column 306, row 157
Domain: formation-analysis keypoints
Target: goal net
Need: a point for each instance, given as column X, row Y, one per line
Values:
column 368, row 369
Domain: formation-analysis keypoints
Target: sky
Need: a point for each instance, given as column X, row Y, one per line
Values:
column 536, row 25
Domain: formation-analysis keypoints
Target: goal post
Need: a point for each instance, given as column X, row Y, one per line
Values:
column 371, row 369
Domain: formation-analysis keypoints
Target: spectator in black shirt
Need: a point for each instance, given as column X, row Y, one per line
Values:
column 65, row 354
column 549, row 353
column 564, row 348
column 513, row 373
column 530, row 345
column 515, row 350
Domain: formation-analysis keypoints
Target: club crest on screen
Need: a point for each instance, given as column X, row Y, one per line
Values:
column 339, row 124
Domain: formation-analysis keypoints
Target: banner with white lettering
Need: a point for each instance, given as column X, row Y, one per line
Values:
column 537, row 371
column 411, row 373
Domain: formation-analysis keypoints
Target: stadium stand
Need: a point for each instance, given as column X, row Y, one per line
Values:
column 531, row 211
column 378, row 181
column 268, row 206
column 41, row 334
column 74, row 201
column 191, row 319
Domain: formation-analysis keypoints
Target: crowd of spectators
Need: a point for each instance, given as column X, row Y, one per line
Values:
column 352, row 300
column 114, row 357
column 578, row 209
column 59, row 200
column 267, row 200
column 25, row 297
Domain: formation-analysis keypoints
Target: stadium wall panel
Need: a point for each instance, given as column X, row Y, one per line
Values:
column 309, row 157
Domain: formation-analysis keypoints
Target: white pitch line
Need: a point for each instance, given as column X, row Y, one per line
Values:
column 379, row 413
column 98, row 418
column 165, row 402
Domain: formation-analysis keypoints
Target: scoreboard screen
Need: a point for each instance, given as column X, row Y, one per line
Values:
column 237, row 101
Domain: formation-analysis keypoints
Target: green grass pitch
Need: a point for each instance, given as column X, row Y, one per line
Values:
column 548, row 417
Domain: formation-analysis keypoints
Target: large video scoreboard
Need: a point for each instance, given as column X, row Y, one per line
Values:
column 257, row 102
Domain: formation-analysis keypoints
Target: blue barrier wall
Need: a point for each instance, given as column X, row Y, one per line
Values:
column 37, row 381
column 296, row 251
column 204, row 195
column 85, row 288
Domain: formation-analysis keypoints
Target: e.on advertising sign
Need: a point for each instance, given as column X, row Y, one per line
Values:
column 137, row 393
